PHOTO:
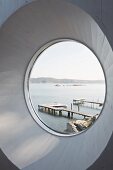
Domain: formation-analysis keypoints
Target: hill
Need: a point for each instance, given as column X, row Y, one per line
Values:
column 61, row 81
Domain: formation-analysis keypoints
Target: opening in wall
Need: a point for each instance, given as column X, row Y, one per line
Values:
column 66, row 87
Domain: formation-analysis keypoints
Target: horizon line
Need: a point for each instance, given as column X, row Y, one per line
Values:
column 71, row 79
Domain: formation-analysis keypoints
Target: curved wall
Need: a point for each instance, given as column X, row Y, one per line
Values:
column 9, row 7
column 22, row 140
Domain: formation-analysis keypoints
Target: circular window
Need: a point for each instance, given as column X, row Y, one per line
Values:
column 65, row 87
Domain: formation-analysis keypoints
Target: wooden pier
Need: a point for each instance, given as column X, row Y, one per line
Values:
column 98, row 103
column 83, row 101
column 52, row 109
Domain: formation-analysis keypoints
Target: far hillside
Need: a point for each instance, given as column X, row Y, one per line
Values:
column 61, row 81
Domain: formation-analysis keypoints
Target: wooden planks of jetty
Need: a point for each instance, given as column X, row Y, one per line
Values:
column 52, row 109
column 83, row 101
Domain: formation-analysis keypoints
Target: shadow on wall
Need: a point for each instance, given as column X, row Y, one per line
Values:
column 5, row 164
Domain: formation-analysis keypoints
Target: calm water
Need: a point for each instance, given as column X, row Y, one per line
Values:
column 49, row 93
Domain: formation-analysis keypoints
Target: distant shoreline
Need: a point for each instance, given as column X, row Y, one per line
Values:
column 75, row 82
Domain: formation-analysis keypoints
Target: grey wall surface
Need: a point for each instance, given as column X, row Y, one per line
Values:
column 8, row 7
column 21, row 138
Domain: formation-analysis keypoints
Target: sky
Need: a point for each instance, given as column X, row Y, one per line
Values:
column 68, row 59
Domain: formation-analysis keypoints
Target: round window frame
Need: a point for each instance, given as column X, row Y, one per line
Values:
column 30, row 107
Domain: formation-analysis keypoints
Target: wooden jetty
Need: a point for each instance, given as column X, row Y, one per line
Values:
column 52, row 109
column 98, row 103
column 78, row 101
column 83, row 101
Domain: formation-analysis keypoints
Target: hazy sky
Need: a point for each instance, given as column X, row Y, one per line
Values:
column 68, row 59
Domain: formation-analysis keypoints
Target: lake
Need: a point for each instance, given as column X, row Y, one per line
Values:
column 49, row 93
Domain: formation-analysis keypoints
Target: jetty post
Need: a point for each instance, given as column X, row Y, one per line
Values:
column 71, row 106
column 60, row 112
column 68, row 114
column 71, row 115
